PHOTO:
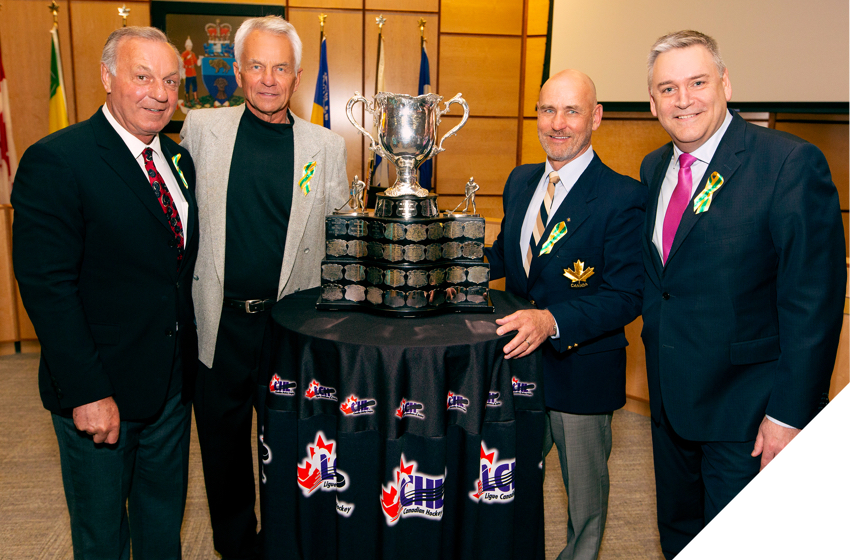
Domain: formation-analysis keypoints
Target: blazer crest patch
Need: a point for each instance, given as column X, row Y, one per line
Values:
column 578, row 274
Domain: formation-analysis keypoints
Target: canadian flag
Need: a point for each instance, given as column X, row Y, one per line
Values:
column 8, row 157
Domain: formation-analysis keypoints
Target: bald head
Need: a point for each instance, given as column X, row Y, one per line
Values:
column 573, row 80
column 567, row 115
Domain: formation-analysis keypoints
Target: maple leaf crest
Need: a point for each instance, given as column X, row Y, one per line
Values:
column 578, row 274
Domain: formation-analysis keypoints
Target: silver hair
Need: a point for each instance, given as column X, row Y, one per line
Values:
column 681, row 40
column 109, row 57
column 270, row 24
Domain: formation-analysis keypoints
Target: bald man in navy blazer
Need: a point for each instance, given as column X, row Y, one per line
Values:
column 743, row 299
column 585, row 277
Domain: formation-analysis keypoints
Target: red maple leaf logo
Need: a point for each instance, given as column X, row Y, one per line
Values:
column 400, row 410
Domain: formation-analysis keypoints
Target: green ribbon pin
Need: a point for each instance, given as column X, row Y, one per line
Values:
column 304, row 182
column 558, row 232
column 176, row 159
column 703, row 200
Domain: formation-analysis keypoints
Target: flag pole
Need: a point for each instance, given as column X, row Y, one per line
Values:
column 124, row 13
column 322, row 18
column 380, row 21
column 54, row 8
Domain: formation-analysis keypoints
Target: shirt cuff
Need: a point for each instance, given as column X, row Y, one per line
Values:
column 783, row 424
column 557, row 334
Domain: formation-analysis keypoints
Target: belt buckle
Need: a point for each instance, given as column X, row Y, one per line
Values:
column 250, row 302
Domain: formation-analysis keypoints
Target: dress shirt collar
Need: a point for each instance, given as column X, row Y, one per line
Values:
column 705, row 152
column 569, row 173
column 135, row 145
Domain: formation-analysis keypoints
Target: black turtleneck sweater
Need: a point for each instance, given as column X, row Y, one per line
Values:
column 259, row 201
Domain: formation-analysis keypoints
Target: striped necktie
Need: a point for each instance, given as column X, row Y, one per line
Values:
column 542, row 219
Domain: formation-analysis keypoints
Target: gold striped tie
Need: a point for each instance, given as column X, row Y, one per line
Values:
column 542, row 219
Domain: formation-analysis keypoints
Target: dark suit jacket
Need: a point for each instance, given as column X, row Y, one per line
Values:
column 97, row 267
column 584, row 369
column 745, row 317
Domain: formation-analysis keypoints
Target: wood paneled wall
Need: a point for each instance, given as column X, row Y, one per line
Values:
column 490, row 51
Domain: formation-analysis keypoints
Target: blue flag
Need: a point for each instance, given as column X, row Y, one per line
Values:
column 322, row 99
column 427, row 168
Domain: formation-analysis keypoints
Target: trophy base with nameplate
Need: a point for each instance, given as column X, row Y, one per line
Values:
column 405, row 259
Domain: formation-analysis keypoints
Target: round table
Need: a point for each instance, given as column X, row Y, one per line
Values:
column 384, row 437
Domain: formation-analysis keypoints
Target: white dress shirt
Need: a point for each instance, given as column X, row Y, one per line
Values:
column 568, row 175
column 137, row 147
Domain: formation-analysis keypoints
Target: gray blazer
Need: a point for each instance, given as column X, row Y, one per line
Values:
column 209, row 135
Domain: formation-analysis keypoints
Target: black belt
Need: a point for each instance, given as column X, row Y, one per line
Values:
column 250, row 305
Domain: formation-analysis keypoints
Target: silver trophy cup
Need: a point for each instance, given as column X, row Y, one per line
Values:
column 407, row 133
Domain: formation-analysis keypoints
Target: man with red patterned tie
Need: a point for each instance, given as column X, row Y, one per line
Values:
column 743, row 253
column 105, row 241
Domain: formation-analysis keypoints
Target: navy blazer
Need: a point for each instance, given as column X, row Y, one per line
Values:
column 584, row 369
column 96, row 262
column 745, row 317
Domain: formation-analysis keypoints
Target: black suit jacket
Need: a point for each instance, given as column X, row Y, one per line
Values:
column 97, row 267
column 744, row 319
column 584, row 369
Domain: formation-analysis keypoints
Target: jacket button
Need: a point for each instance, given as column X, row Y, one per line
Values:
column 172, row 242
column 169, row 332
column 665, row 296
column 178, row 285
column 532, row 302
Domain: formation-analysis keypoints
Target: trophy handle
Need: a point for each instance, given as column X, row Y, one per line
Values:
column 348, row 108
column 462, row 102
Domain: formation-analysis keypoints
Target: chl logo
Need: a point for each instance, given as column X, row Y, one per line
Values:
column 317, row 391
column 412, row 494
column 410, row 408
column 496, row 483
column 493, row 399
column 318, row 470
column 456, row 402
column 521, row 388
column 283, row 387
column 355, row 405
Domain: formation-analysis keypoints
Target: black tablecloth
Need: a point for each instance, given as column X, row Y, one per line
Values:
column 399, row 438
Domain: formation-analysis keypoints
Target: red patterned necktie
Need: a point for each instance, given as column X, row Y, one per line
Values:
column 165, row 201
column 678, row 202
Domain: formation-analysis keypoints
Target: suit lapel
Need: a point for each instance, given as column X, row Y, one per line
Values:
column 652, row 207
column 117, row 156
column 575, row 208
column 216, row 168
column 514, row 221
column 305, row 149
column 189, row 219
column 725, row 162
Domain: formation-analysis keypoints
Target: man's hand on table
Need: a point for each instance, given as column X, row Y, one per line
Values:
column 533, row 327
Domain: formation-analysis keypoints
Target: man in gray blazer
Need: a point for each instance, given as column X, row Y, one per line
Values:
column 265, row 182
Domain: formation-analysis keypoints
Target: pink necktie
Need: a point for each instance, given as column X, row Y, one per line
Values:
column 678, row 202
